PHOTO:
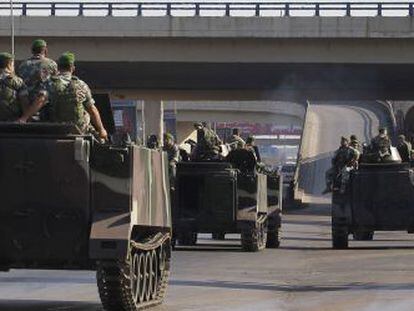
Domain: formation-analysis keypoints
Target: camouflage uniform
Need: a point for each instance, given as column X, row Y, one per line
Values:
column 12, row 91
column 35, row 71
column 404, row 149
column 208, row 144
column 173, row 154
column 381, row 145
column 236, row 142
column 69, row 98
column 343, row 162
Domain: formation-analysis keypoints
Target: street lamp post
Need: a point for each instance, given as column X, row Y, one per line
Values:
column 12, row 26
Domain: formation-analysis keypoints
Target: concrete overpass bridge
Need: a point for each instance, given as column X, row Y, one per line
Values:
column 252, row 52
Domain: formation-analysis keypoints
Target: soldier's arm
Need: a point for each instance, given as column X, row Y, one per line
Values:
column 89, row 104
column 31, row 109
column 96, row 121
column 53, row 68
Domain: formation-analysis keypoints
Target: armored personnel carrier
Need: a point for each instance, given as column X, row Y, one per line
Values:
column 378, row 197
column 69, row 202
column 228, row 196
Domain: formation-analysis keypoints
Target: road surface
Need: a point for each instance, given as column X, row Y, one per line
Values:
column 305, row 274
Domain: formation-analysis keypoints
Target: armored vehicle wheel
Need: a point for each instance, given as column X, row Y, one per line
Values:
column 363, row 235
column 273, row 237
column 339, row 236
column 139, row 282
column 187, row 238
column 218, row 236
column 254, row 239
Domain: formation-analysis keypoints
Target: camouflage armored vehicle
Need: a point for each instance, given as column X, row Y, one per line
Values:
column 378, row 197
column 69, row 202
column 227, row 197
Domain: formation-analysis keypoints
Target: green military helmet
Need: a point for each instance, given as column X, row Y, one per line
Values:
column 250, row 140
column 67, row 59
column 382, row 129
column 4, row 59
column 198, row 125
column 168, row 136
column 344, row 139
column 38, row 44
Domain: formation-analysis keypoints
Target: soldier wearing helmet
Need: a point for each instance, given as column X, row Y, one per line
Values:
column 343, row 161
column 404, row 149
column 381, row 145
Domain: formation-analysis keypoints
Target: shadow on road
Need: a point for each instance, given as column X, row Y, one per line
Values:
column 319, row 209
column 295, row 288
column 360, row 248
column 228, row 248
column 41, row 305
column 309, row 222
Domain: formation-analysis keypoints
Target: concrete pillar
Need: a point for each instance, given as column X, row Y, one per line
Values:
column 153, row 117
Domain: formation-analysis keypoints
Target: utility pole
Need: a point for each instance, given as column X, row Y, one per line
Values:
column 12, row 26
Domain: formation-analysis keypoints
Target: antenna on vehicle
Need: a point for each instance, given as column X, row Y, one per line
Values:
column 12, row 26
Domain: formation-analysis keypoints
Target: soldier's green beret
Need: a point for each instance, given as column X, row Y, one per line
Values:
column 66, row 59
column 5, row 58
column 39, row 43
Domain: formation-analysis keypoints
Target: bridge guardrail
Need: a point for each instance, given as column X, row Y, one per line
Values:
column 85, row 8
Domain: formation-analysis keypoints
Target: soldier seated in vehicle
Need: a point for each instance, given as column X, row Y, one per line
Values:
column 404, row 149
column 208, row 144
column 173, row 153
column 380, row 149
column 14, row 95
column 344, row 161
column 236, row 142
column 37, row 70
column 70, row 99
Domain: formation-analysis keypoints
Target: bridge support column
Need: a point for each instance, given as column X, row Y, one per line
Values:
column 153, row 116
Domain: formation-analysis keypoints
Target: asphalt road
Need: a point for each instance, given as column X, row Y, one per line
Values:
column 304, row 274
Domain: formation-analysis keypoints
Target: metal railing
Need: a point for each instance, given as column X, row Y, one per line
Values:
column 206, row 8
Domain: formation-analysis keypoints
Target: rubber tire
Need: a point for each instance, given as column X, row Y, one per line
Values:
column 250, row 238
column 221, row 236
column 339, row 237
column 273, row 237
column 187, row 238
column 363, row 236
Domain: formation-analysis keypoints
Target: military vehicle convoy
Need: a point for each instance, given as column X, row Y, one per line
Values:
column 69, row 202
column 228, row 196
column 378, row 197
